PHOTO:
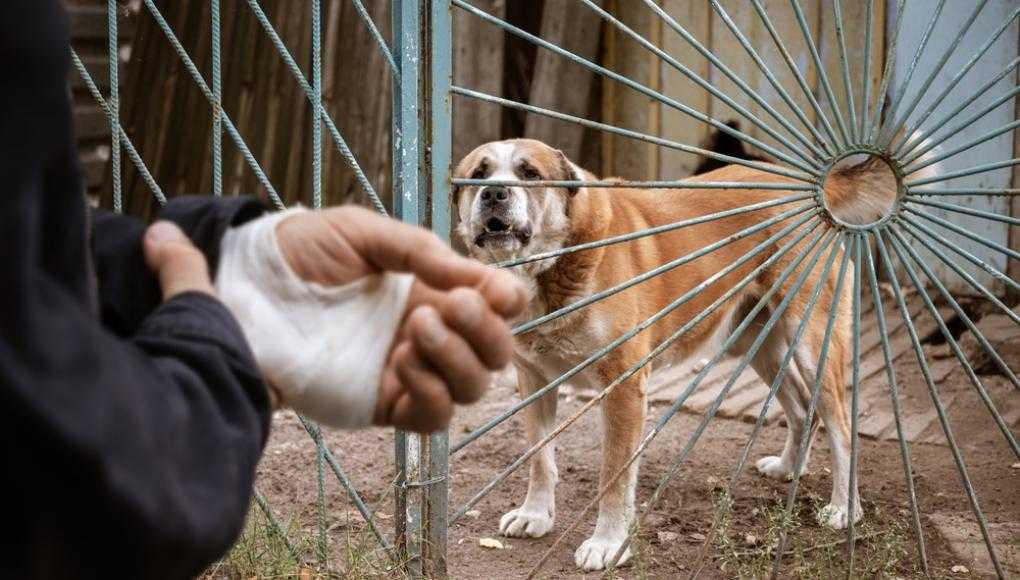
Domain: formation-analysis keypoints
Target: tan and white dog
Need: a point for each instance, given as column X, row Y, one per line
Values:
column 501, row 223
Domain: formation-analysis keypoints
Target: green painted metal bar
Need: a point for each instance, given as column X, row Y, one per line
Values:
column 855, row 402
column 969, row 235
column 376, row 35
column 633, row 369
column 957, row 249
column 967, row 211
column 921, row 137
column 837, row 9
column 890, row 372
column 910, row 170
column 773, row 81
column 964, row 191
column 892, row 50
column 766, row 167
column 681, row 399
column 670, row 184
column 316, row 96
column 710, row 413
column 795, row 69
column 338, row 140
column 653, row 230
column 440, row 147
column 984, row 168
column 594, row 357
column 896, row 126
column 991, row 297
column 940, row 410
column 407, row 198
column 725, row 70
column 574, row 306
column 805, row 439
column 113, row 64
column 133, row 155
column 900, row 246
column 918, row 52
column 189, row 66
column 869, row 19
column 954, row 81
column 275, row 527
column 217, row 90
column 820, row 69
column 673, row 103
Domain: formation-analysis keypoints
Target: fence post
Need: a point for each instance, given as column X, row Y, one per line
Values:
column 422, row 47
column 438, row 54
column 406, row 133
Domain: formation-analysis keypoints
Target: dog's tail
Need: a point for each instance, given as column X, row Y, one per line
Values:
column 861, row 189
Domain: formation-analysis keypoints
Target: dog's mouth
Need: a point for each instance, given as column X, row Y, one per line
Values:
column 499, row 232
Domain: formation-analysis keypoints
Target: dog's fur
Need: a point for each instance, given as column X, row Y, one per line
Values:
column 538, row 219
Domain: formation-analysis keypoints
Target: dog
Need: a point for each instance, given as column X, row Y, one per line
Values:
column 501, row 223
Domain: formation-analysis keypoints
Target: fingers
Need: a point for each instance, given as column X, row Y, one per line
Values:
column 425, row 404
column 391, row 245
column 178, row 264
column 467, row 313
column 465, row 374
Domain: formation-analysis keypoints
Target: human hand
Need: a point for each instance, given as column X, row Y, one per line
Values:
column 454, row 330
column 180, row 267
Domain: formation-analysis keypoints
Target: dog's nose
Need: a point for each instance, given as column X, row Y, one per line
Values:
column 495, row 194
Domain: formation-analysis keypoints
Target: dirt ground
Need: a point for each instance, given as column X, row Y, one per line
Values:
column 674, row 532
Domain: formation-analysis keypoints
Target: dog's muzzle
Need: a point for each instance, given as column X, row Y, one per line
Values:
column 498, row 228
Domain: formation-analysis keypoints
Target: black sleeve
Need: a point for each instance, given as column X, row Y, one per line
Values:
column 128, row 291
column 121, row 458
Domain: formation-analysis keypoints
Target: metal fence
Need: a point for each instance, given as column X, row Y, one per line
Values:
column 910, row 129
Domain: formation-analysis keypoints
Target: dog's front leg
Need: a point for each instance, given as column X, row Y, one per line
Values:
column 623, row 414
column 536, row 515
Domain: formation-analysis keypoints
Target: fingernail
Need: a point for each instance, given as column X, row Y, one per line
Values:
column 164, row 231
column 434, row 332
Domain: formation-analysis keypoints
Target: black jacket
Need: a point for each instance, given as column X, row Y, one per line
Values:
column 129, row 429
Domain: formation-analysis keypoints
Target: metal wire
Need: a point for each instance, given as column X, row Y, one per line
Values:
column 338, row 140
column 768, row 168
column 813, row 49
column 933, row 392
column 189, row 66
column 673, row 103
column 113, row 106
column 744, row 42
column 133, row 155
column 640, row 364
column 902, row 119
column 217, row 105
column 678, row 403
column 721, row 67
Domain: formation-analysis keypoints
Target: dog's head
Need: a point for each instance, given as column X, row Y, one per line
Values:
column 500, row 222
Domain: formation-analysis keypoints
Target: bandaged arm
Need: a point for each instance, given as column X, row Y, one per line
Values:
column 323, row 348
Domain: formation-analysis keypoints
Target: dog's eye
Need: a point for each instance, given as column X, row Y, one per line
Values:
column 530, row 174
column 479, row 173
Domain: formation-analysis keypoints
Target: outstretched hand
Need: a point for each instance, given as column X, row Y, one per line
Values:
column 454, row 330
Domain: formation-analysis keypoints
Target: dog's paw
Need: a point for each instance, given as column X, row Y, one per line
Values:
column 835, row 516
column 597, row 552
column 525, row 523
column 774, row 467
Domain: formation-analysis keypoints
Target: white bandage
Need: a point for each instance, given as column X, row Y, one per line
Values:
column 322, row 347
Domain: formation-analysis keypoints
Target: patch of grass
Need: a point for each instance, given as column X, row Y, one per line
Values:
column 811, row 551
column 262, row 552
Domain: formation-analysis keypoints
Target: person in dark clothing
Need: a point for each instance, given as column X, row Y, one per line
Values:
column 132, row 409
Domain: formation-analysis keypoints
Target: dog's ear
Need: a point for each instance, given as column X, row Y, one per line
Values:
column 567, row 172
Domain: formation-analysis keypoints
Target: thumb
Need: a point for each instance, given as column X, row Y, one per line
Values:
column 178, row 264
